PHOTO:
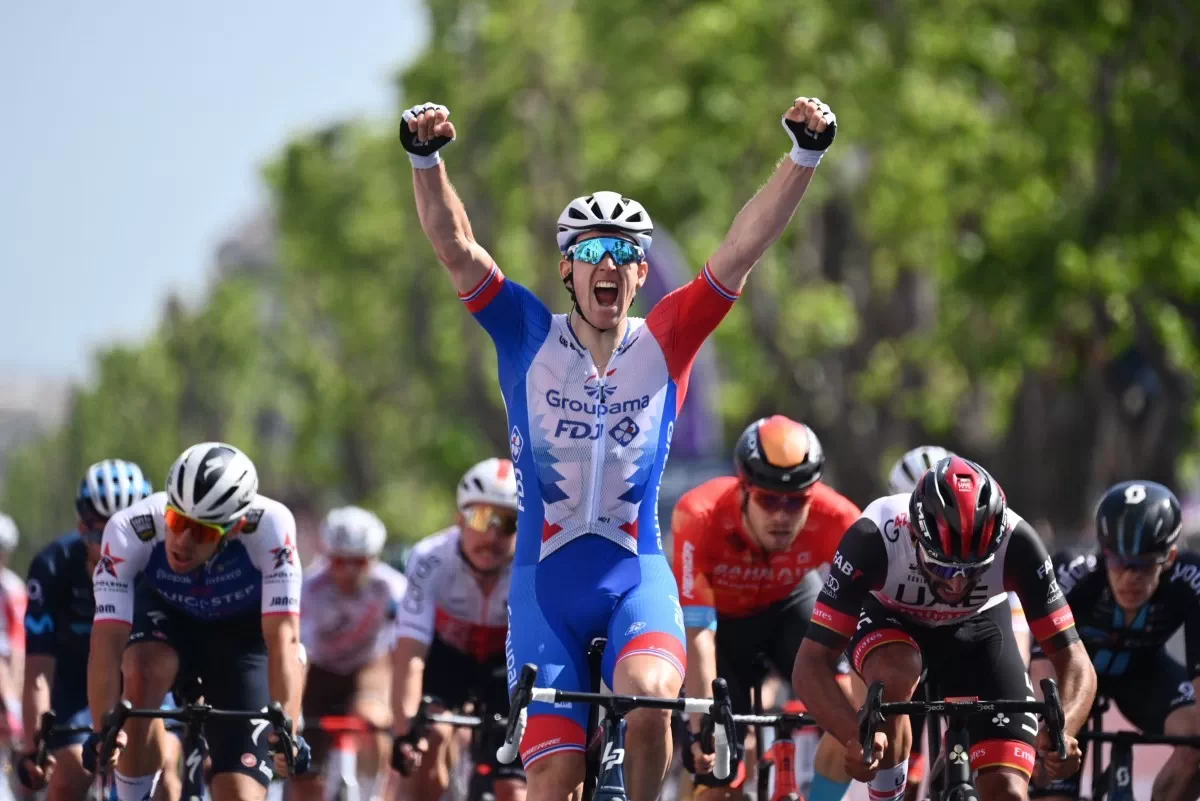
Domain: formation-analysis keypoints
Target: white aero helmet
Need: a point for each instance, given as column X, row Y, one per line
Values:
column 353, row 531
column 212, row 482
column 492, row 481
column 108, row 487
column 8, row 533
column 912, row 466
column 604, row 210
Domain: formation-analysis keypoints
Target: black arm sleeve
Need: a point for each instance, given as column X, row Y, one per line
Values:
column 859, row 566
column 1029, row 572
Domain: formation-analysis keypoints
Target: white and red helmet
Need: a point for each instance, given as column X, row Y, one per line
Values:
column 492, row 481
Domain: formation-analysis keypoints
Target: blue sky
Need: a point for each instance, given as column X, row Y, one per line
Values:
column 132, row 138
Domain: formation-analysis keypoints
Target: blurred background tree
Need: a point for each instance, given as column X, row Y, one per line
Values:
column 1000, row 254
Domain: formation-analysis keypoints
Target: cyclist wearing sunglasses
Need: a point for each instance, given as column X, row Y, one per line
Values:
column 350, row 601
column 58, row 624
column 202, row 582
column 452, row 627
column 747, row 553
column 1132, row 593
column 903, row 478
column 592, row 398
column 918, row 586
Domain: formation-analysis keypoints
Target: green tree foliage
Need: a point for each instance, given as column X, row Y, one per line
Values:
column 1001, row 252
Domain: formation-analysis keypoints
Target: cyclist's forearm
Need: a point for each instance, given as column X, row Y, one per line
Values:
column 285, row 673
column 760, row 223
column 104, row 668
column 408, row 678
column 35, row 695
column 443, row 215
column 1077, row 680
column 815, row 683
column 702, row 667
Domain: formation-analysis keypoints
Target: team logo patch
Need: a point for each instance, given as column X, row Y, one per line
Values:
column 108, row 563
column 249, row 760
column 143, row 527
column 284, row 553
column 963, row 483
column 515, row 444
column 624, row 431
column 251, row 520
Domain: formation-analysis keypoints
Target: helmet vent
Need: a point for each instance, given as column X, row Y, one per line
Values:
column 576, row 214
column 596, row 210
column 635, row 217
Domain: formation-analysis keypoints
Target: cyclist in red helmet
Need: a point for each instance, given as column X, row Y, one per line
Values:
column 918, row 585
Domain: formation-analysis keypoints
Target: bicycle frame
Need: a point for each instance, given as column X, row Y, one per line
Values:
column 194, row 717
column 341, row 766
column 1115, row 783
column 616, row 707
column 956, row 783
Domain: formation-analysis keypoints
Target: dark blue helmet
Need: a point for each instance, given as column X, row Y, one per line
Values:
column 1138, row 518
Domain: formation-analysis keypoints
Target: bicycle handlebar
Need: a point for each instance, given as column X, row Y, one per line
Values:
column 47, row 726
column 874, row 711
column 114, row 721
column 719, row 707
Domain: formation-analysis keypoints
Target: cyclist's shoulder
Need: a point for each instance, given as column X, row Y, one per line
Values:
column 138, row 527
column 888, row 510
column 1184, row 575
column 435, row 548
column 383, row 574
column 59, row 551
column 711, row 497
column 1076, row 569
column 831, row 507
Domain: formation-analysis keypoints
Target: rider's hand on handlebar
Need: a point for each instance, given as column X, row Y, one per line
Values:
column 406, row 755
column 30, row 774
column 854, row 758
column 703, row 761
column 301, row 755
column 1052, row 767
column 91, row 752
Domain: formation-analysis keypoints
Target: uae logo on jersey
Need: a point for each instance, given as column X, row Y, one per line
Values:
column 108, row 563
column 598, row 391
column 283, row 553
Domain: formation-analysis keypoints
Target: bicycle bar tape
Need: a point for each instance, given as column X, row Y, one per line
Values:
column 723, row 718
column 515, row 732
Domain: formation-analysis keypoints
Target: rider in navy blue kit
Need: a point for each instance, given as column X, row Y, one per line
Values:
column 58, row 625
column 1130, row 595
column 218, row 600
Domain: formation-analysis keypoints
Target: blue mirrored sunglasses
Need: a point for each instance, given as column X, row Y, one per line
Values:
column 948, row 571
column 592, row 251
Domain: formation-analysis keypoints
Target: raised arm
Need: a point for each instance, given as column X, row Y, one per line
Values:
column 424, row 131
column 811, row 126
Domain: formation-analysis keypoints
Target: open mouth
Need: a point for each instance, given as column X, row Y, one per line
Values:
column 605, row 293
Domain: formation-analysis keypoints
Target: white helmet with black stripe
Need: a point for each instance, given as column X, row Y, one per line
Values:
column 912, row 466
column 213, row 482
column 604, row 210
column 108, row 487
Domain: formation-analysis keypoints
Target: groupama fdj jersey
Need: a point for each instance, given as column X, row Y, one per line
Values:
column 589, row 447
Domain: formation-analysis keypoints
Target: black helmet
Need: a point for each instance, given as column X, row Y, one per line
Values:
column 779, row 455
column 1136, row 518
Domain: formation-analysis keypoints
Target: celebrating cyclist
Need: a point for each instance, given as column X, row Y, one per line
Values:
column 350, row 601
column 592, row 397
column 218, row 600
column 451, row 631
column 59, row 624
column 747, row 549
column 918, row 585
column 1132, row 593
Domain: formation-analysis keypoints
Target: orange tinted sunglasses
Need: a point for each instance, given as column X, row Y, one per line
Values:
column 204, row 533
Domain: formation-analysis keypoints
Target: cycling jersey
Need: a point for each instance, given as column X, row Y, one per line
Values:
column 58, row 620
column 445, row 600
column 720, row 569
column 344, row 632
column 254, row 569
column 1120, row 643
column 12, row 596
column 877, row 557
column 590, row 448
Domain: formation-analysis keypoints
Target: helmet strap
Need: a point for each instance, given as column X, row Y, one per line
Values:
column 569, row 283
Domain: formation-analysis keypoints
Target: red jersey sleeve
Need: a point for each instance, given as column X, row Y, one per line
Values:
column 682, row 320
column 690, row 524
